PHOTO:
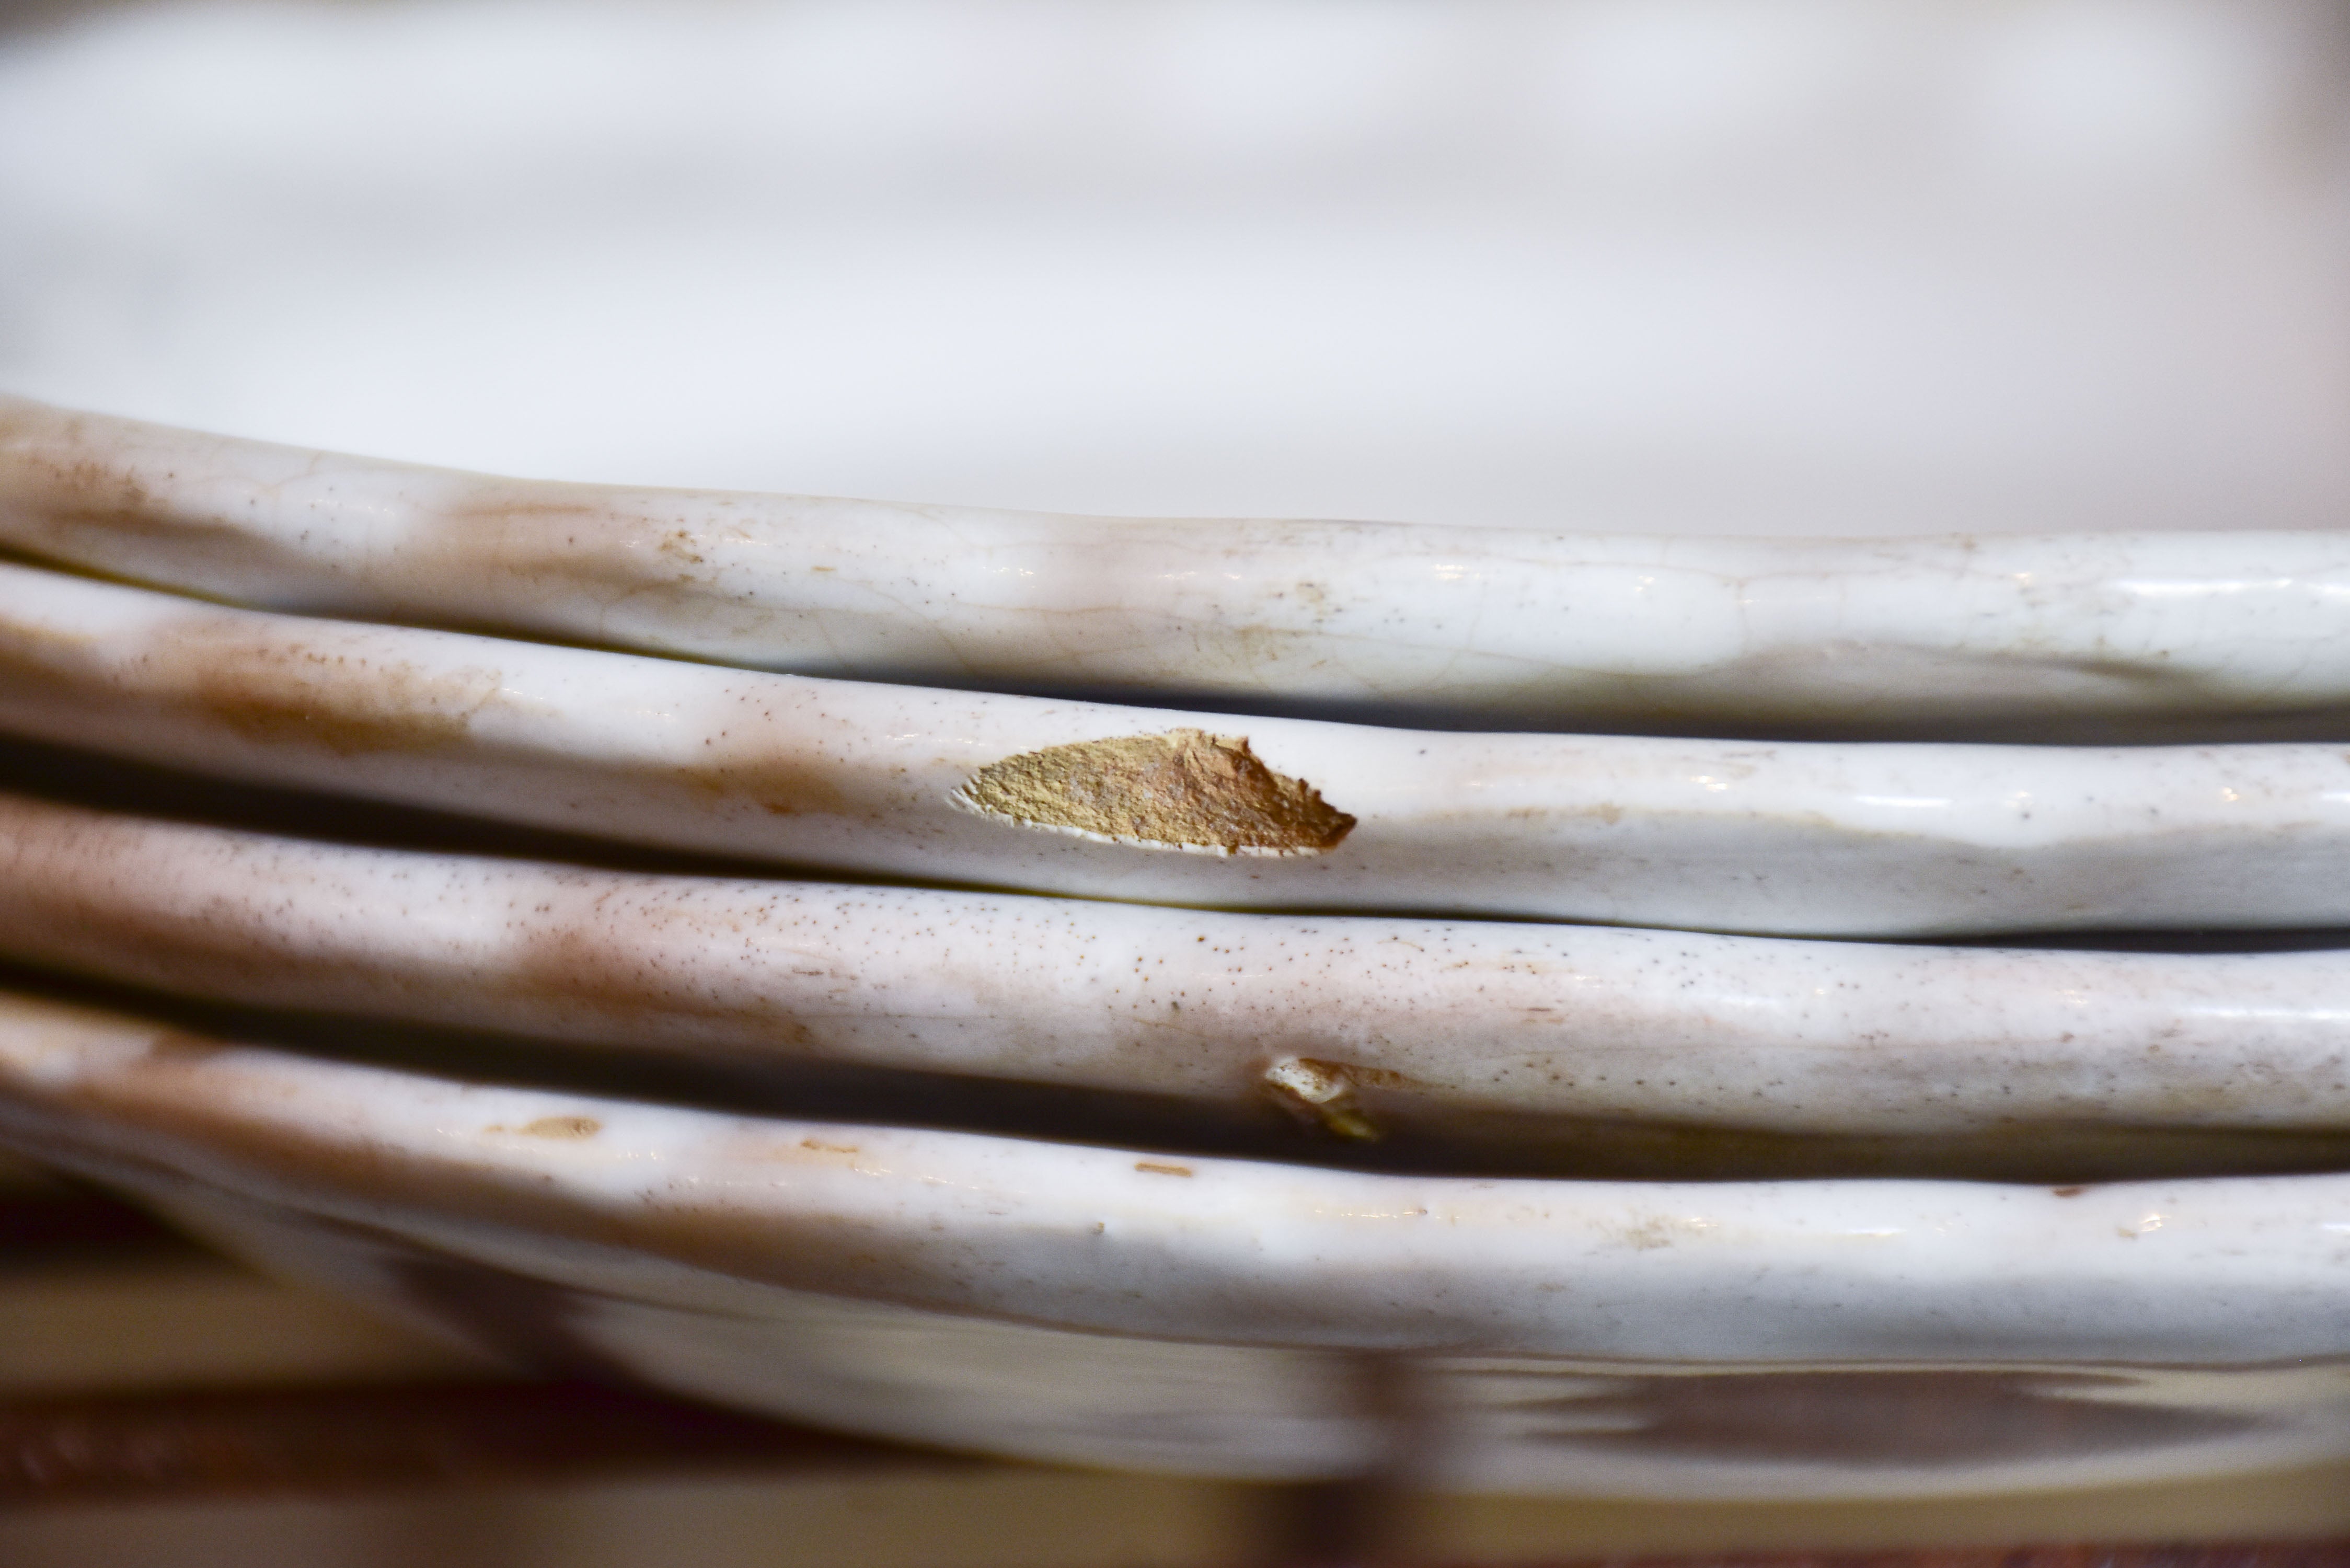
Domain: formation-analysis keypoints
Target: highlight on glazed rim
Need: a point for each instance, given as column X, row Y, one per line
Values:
column 2126, row 634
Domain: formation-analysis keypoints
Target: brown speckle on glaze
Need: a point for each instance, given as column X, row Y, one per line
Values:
column 780, row 785
column 599, row 964
column 1153, row 1167
column 1186, row 789
column 172, row 1045
column 1649, row 1234
column 70, row 492
column 817, row 1145
column 563, row 1126
column 277, row 692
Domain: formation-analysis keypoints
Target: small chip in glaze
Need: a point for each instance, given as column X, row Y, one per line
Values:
column 1186, row 789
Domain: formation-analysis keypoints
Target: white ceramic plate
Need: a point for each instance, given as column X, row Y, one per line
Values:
column 864, row 778
column 2126, row 634
column 1489, row 1045
column 1615, row 279
column 1103, row 1307
column 1622, row 276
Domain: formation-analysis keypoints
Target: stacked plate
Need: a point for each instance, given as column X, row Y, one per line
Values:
column 1663, row 991
column 1198, row 995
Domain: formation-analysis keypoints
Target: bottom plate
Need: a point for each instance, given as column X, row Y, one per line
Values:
column 1101, row 1306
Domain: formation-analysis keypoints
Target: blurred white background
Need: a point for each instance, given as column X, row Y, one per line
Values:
column 1800, row 265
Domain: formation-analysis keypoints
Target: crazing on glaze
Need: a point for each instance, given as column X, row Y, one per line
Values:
column 1076, row 1304
column 2134, row 634
column 862, row 778
column 1571, row 1333
column 1366, row 1025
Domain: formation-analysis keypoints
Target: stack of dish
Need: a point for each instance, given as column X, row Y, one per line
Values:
column 1017, row 982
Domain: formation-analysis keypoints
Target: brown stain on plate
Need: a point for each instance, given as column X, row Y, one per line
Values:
column 778, row 785
column 592, row 974
column 173, row 1046
column 45, row 662
column 563, row 1126
column 551, row 1126
column 1185, row 789
column 73, row 491
column 607, row 541
column 348, row 704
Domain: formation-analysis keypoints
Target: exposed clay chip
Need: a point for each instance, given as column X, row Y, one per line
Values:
column 1325, row 1092
column 1186, row 789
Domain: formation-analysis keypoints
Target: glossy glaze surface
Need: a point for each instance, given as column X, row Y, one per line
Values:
column 1411, row 1028
column 1835, row 839
column 2038, row 308
column 1511, row 626
column 984, row 1292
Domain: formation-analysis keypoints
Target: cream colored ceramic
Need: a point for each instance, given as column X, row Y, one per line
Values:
column 1844, row 839
column 1791, row 369
column 1104, row 1306
column 1507, row 627
column 1504, row 1045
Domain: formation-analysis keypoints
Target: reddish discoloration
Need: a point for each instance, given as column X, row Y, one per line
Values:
column 563, row 1126
column 779, row 784
column 610, row 969
column 280, row 693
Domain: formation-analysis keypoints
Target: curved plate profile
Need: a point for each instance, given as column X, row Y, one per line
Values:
column 2110, row 636
column 1089, row 1304
column 1820, row 839
column 1480, row 1045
